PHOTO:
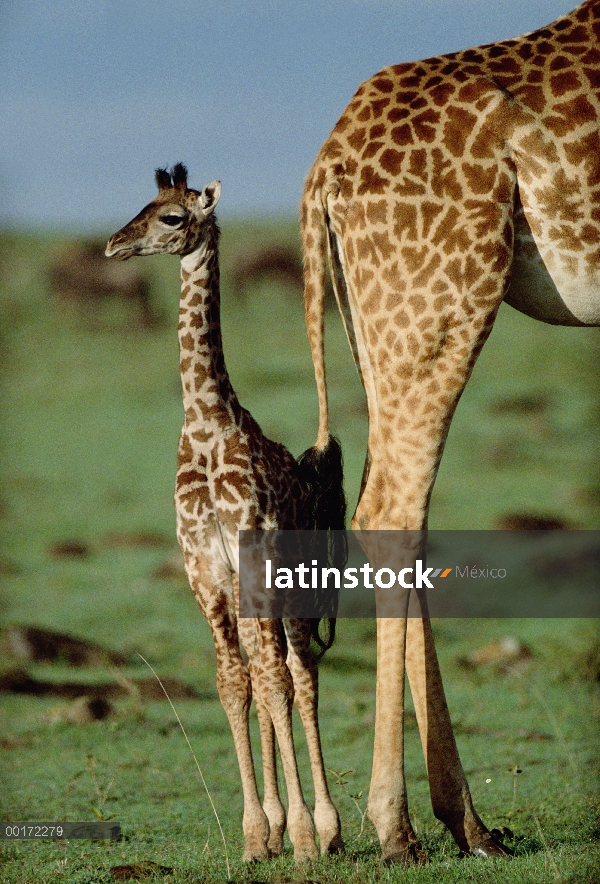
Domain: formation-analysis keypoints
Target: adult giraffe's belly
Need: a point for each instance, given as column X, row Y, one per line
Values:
column 549, row 284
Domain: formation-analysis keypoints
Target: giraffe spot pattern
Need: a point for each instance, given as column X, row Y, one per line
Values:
column 230, row 477
column 427, row 159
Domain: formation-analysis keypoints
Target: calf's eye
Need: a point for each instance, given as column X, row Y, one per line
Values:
column 171, row 220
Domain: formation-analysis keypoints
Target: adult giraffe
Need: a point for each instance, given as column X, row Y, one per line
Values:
column 447, row 186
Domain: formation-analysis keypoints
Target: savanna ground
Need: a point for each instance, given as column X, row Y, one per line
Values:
column 91, row 421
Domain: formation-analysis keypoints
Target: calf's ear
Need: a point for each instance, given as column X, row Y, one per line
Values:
column 209, row 197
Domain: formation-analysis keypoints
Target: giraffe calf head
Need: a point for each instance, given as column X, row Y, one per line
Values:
column 173, row 223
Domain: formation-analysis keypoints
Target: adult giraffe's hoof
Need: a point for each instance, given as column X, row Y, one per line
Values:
column 488, row 846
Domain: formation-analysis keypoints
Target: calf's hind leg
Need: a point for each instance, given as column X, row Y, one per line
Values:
column 275, row 691
column 305, row 676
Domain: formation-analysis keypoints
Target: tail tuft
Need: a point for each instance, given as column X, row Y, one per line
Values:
column 322, row 469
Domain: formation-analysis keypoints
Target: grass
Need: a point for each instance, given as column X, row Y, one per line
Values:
column 91, row 420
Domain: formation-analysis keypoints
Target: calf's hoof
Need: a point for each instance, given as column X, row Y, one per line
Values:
column 275, row 848
column 305, row 852
column 254, row 853
column 275, row 842
column 411, row 854
column 333, row 846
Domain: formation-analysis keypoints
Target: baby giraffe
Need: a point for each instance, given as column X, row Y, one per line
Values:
column 231, row 477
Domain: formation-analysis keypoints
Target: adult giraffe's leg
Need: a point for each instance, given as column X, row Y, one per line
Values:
column 420, row 268
column 305, row 676
column 450, row 795
column 235, row 693
column 405, row 452
column 388, row 803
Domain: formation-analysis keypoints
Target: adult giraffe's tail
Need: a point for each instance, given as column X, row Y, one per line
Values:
column 322, row 470
column 314, row 245
column 321, row 465
column 325, row 514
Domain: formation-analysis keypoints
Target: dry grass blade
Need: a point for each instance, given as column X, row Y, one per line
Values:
column 179, row 722
column 557, row 875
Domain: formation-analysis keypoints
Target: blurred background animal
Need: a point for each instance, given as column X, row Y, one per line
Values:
column 82, row 279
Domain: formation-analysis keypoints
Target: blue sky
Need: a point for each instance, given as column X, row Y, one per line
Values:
column 94, row 94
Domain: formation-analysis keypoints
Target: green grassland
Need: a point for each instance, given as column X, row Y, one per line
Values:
column 91, row 417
